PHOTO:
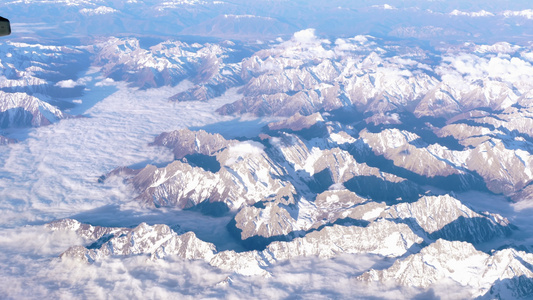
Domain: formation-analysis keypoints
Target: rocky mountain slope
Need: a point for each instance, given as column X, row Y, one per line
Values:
column 23, row 110
column 36, row 68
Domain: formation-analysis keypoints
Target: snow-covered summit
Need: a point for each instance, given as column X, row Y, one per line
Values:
column 505, row 273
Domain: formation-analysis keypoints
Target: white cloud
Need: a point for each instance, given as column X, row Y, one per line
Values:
column 243, row 149
column 306, row 36
column 466, row 68
column 481, row 13
column 337, row 186
column 305, row 45
column 358, row 43
column 523, row 205
column 247, row 148
column 385, row 6
column 105, row 82
column 69, row 83
column 527, row 56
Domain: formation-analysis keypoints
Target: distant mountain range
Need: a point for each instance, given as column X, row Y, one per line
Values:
column 264, row 20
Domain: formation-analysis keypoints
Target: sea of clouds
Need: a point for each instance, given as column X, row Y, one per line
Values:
column 53, row 173
column 32, row 270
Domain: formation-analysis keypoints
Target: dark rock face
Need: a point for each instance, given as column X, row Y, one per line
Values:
column 5, row 141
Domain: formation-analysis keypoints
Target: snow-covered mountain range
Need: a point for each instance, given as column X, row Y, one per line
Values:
column 504, row 274
column 434, row 117
column 371, row 127
column 367, row 145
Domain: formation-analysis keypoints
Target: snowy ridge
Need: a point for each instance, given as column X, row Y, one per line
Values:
column 382, row 237
column 297, row 122
column 100, row 10
column 431, row 217
column 446, row 217
column 158, row 241
column 168, row 63
column 22, row 110
column 34, row 68
column 237, row 168
column 481, row 13
column 462, row 263
column 284, row 186
column 526, row 13
column 184, row 142
column 504, row 169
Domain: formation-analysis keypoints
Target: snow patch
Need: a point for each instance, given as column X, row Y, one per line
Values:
column 101, row 10
column 481, row 13
column 526, row 13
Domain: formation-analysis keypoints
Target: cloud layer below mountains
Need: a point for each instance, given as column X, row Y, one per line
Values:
column 32, row 270
column 52, row 173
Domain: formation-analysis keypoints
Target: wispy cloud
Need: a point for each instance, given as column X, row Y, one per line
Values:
column 69, row 83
